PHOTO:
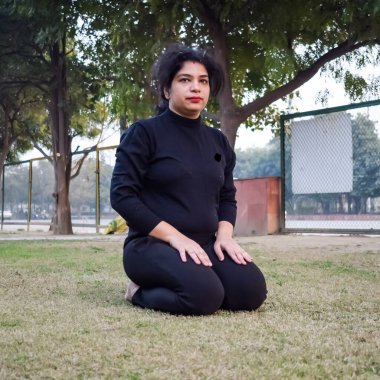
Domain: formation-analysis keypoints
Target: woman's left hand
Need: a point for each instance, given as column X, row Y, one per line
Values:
column 233, row 249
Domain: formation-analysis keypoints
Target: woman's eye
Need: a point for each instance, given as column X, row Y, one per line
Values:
column 204, row 81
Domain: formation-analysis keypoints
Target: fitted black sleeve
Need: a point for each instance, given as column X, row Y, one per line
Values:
column 132, row 160
column 227, row 201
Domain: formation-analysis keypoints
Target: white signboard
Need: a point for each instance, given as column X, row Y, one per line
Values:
column 322, row 155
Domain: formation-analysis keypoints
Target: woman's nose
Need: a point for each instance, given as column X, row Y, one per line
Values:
column 195, row 85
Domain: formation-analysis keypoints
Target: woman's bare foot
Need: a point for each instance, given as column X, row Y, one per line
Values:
column 132, row 288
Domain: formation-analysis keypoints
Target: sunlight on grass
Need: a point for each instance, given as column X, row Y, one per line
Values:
column 62, row 316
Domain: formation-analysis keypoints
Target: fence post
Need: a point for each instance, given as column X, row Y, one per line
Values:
column 97, row 172
column 282, row 175
column 30, row 195
column 2, row 198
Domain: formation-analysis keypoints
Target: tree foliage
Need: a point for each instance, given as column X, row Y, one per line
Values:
column 267, row 50
column 19, row 104
column 259, row 162
column 366, row 157
column 39, row 52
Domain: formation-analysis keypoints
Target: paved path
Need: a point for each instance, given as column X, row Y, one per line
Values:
column 290, row 242
column 49, row 236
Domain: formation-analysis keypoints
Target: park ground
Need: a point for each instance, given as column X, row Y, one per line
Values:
column 62, row 314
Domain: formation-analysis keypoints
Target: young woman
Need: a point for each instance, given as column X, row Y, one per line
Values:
column 173, row 184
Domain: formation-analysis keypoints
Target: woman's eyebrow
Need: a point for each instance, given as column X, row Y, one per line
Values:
column 191, row 76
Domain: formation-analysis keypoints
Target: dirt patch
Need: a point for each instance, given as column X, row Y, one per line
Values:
column 314, row 243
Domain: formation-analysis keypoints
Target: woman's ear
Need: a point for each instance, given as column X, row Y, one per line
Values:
column 167, row 94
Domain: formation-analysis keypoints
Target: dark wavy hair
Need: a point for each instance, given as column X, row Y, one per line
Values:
column 172, row 60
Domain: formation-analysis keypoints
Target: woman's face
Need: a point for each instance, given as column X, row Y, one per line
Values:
column 189, row 91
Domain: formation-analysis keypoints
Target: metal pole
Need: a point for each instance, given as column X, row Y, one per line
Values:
column 30, row 194
column 97, row 172
column 282, row 143
column 324, row 111
column 2, row 198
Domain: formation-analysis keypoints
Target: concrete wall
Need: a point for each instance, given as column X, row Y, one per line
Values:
column 258, row 206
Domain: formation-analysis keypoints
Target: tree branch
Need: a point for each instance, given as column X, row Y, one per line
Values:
column 301, row 77
column 79, row 163
column 36, row 146
column 69, row 52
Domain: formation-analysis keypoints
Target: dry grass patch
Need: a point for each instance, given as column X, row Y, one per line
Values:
column 62, row 315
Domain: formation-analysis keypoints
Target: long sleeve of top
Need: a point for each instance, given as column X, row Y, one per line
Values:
column 173, row 169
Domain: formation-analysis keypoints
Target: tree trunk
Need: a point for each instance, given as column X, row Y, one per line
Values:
column 340, row 209
column 61, row 140
column 356, row 204
column 229, row 126
column 3, row 156
column 62, row 216
column 363, row 205
column 4, row 150
column 123, row 124
column 7, row 140
column 229, row 113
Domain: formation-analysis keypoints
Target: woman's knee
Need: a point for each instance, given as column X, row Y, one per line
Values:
column 250, row 293
column 204, row 299
column 259, row 291
column 249, row 300
column 256, row 298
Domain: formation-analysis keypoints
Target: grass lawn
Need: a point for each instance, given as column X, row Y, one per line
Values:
column 62, row 316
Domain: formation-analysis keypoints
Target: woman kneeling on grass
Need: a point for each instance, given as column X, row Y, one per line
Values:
column 173, row 184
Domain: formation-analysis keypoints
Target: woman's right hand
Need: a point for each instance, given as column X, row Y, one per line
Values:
column 184, row 245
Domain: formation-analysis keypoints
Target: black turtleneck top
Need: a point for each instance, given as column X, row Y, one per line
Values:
column 173, row 169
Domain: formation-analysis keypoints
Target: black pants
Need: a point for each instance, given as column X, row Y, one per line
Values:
column 170, row 285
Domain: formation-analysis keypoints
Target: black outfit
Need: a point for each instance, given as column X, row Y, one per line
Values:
column 173, row 169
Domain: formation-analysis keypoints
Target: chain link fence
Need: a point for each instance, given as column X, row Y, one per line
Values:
column 330, row 164
column 27, row 189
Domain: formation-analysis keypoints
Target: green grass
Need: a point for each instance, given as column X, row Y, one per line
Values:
column 62, row 316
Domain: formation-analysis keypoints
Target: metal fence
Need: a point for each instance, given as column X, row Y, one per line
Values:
column 27, row 187
column 330, row 169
